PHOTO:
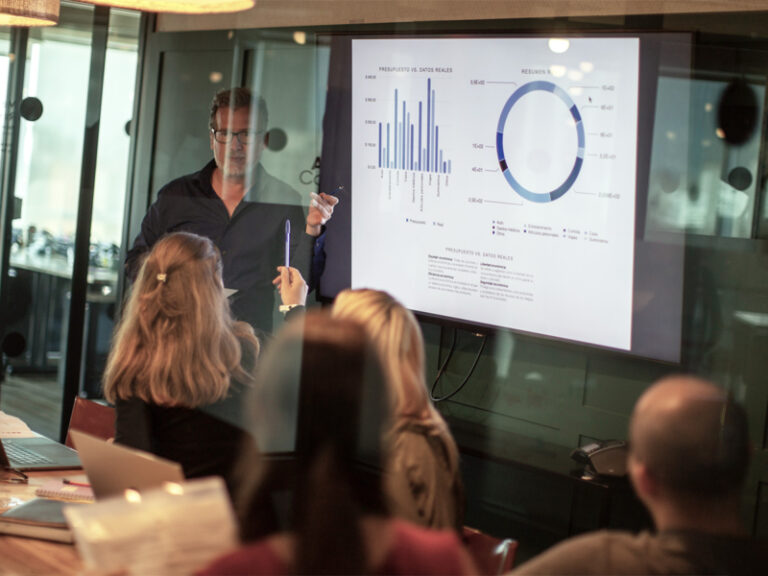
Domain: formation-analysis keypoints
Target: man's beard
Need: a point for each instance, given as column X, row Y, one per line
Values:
column 237, row 167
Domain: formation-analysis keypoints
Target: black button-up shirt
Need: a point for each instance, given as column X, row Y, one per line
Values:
column 251, row 241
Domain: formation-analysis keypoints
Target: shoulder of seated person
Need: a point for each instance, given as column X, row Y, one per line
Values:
column 283, row 545
column 402, row 526
column 259, row 557
column 592, row 553
column 422, row 550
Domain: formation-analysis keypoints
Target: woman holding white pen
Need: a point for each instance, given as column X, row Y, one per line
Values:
column 179, row 360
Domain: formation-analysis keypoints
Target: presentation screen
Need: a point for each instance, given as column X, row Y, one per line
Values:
column 494, row 182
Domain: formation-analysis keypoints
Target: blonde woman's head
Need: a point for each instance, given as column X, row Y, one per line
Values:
column 177, row 342
column 397, row 336
column 180, row 282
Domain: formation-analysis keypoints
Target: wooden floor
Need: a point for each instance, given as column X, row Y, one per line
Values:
column 36, row 399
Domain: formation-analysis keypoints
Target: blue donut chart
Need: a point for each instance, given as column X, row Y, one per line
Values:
column 543, row 86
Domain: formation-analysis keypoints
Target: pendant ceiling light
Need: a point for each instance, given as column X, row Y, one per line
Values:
column 29, row 12
column 178, row 6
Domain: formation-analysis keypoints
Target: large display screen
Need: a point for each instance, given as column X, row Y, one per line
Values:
column 493, row 182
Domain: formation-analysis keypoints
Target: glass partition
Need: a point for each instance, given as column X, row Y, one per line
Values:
column 700, row 183
column 47, row 185
column 47, row 188
column 109, row 195
column 701, row 217
column 290, row 72
column 5, row 43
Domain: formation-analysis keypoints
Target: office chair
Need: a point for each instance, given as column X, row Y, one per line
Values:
column 492, row 556
column 92, row 418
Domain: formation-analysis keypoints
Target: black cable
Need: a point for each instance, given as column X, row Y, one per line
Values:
column 445, row 363
column 442, row 370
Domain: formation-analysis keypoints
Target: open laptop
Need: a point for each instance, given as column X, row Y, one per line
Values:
column 37, row 453
column 113, row 468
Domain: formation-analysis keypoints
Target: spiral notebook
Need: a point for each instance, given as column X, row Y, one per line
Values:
column 61, row 490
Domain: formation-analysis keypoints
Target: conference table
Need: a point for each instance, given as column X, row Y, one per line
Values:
column 22, row 556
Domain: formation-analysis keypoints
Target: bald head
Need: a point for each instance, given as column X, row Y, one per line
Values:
column 691, row 437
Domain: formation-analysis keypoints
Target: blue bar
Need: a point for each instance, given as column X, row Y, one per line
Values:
column 389, row 164
column 403, row 131
column 434, row 125
column 411, row 146
column 379, row 144
column 395, row 127
column 429, row 118
column 419, row 135
column 406, row 164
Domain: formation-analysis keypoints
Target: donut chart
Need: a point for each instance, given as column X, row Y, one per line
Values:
column 543, row 86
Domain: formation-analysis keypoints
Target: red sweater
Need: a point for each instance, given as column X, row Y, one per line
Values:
column 415, row 551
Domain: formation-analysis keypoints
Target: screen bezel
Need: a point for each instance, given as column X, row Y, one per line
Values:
column 650, row 62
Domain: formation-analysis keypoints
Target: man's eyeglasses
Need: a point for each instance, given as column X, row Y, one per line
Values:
column 245, row 137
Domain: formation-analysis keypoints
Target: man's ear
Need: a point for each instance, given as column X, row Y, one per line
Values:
column 210, row 135
column 643, row 480
column 266, row 139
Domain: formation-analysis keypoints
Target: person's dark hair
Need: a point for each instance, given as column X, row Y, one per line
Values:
column 705, row 452
column 321, row 384
column 235, row 98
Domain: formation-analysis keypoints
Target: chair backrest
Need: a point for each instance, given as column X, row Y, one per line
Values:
column 92, row 418
column 492, row 556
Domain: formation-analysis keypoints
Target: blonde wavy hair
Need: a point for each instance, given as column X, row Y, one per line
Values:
column 177, row 343
column 397, row 336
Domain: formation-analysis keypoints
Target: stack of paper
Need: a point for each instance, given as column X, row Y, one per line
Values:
column 174, row 530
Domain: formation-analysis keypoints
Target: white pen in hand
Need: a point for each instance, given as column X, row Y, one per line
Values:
column 287, row 243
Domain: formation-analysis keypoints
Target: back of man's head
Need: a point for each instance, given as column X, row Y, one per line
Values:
column 692, row 439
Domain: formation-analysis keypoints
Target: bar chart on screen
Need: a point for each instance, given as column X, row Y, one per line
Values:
column 404, row 141
column 416, row 140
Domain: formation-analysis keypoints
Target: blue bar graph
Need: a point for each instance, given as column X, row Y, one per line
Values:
column 411, row 151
